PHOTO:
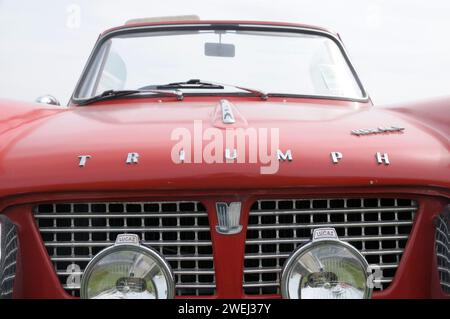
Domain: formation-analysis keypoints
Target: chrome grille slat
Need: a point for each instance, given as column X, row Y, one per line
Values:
column 197, row 286
column 180, row 286
column 363, row 252
column 110, row 215
column 177, row 272
column 261, row 284
column 445, row 285
column 326, row 211
column 9, row 243
column 377, row 227
column 71, row 288
column 147, row 243
column 74, row 233
column 381, row 252
column 169, row 258
column 444, row 258
column 122, row 229
column 386, row 280
column 261, row 270
column 444, row 269
column 269, row 270
column 301, row 241
column 313, row 226
column 194, row 272
column 442, row 249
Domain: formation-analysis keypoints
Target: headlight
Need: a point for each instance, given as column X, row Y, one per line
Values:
column 326, row 268
column 127, row 270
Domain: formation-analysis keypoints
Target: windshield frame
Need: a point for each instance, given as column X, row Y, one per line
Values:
column 100, row 46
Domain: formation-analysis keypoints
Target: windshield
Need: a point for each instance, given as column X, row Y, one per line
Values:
column 273, row 62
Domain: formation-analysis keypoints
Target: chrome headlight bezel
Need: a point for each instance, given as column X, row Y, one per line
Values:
column 163, row 265
column 288, row 266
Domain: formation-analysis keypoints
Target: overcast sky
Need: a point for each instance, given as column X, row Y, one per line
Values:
column 400, row 48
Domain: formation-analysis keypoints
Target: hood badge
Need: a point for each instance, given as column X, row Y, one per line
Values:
column 378, row 130
column 228, row 216
column 227, row 112
column 226, row 115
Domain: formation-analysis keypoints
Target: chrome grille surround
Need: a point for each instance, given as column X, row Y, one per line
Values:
column 377, row 227
column 74, row 233
column 442, row 246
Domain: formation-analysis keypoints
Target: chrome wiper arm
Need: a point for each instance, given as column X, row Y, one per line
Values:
column 177, row 93
column 199, row 84
column 263, row 95
column 112, row 94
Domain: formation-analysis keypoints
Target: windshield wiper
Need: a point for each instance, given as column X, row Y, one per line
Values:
column 199, row 84
column 112, row 94
column 191, row 84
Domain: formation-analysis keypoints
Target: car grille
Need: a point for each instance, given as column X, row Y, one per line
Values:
column 74, row 233
column 443, row 249
column 9, row 243
column 377, row 227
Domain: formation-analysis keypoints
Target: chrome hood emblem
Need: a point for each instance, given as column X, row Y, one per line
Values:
column 228, row 216
column 227, row 112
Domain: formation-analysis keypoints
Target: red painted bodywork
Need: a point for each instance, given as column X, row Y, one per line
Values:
column 39, row 148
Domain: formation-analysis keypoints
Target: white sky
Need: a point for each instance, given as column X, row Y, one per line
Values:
column 400, row 48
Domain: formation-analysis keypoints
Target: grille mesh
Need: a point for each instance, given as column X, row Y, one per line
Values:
column 443, row 249
column 378, row 227
column 74, row 233
column 9, row 243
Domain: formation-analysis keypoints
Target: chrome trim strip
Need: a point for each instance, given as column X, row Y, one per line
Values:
column 278, row 269
column 362, row 238
column 330, row 211
column 112, row 215
column 363, row 252
column 147, row 243
column 122, row 229
column 276, row 284
column 312, row 226
column 169, row 258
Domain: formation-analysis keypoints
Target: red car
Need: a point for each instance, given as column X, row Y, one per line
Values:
column 223, row 159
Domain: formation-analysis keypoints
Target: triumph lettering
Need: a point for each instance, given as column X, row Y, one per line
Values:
column 133, row 158
column 284, row 156
column 83, row 160
column 336, row 157
column 382, row 158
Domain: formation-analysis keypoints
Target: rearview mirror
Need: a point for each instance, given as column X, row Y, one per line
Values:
column 219, row 49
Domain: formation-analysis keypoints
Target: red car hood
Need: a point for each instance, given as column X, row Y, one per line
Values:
column 39, row 151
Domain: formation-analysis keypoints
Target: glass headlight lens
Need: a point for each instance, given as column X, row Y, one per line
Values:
column 127, row 272
column 326, row 269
